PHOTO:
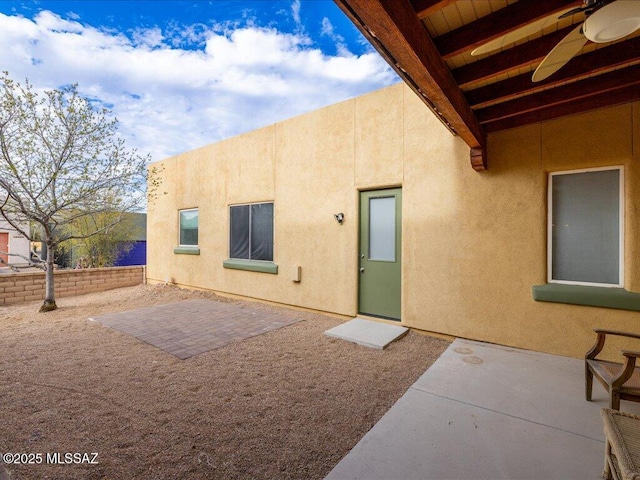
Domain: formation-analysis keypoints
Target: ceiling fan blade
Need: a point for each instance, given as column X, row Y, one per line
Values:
column 518, row 34
column 564, row 51
column 613, row 21
column 573, row 11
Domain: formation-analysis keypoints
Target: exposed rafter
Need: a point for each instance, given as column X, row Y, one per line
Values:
column 424, row 8
column 573, row 92
column 395, row 30
column 517, row 57
column 587, row 64
column 416, row 38
column 497, row 24
column 604, row 99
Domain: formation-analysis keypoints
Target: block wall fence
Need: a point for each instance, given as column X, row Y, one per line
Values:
column 25, row 287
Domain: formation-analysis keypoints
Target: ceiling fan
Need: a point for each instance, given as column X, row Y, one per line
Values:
column 605, row 21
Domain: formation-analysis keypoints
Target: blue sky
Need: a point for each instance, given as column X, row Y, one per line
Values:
column 182, row 74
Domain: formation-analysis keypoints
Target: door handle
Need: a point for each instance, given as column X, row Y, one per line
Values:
column 361, row 269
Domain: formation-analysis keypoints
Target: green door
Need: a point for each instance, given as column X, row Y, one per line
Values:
column 380, row 253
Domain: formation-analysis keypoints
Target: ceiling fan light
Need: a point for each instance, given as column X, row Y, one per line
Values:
column 613, row 32
column 613, row 21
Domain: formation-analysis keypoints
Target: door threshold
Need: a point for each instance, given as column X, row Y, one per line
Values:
column 380, row 318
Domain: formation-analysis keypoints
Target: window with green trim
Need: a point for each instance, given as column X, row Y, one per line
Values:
column 251, row 232
column 586, row 227
column 188, row 227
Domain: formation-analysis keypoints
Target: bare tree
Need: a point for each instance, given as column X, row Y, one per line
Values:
column 61, row 161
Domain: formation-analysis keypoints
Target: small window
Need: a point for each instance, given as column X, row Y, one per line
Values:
column 251, row 232
column 586, row 227
column 382, row 229
column 189, row 228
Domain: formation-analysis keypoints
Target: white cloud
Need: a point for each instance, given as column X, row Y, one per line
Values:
column 295, row 11
column 327, row 30
column 149, row 37
column 170, row 98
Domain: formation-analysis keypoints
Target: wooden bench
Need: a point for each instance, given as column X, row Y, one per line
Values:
column 622, row 449
column 621, row 380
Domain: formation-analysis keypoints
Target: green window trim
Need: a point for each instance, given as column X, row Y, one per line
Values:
column 186, row 250
column 251, row 265
column 605, row 297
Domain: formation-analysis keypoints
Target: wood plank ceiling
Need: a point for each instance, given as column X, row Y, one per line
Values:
column 429, row 44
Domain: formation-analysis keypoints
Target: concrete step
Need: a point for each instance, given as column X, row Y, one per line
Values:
column 368, row 333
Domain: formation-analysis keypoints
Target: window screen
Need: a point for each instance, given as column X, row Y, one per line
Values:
column 586, row 227
column 251, row 232
column 189, row 227
column 239, row 243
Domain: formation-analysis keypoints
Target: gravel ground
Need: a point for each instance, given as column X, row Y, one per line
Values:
column 287, row 404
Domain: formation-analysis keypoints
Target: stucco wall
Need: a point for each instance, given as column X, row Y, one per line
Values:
column 473, row 243
column 308, row 175
column 480, row 239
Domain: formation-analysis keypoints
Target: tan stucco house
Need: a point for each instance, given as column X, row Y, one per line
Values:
column 370, row 206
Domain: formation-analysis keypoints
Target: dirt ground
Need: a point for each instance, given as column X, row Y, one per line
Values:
column 287, row 404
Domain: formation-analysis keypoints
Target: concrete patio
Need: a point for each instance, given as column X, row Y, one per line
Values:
column 488, row 412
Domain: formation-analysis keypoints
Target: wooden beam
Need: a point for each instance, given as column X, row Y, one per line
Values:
column 590, row 63
column 605, row 99
column 401, row 38
column 524, row 55
column 572, row 92
column 424, row 8
column 478, row 158
column 497, row 24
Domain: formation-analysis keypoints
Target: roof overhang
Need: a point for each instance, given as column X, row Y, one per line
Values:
column 428, row 43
